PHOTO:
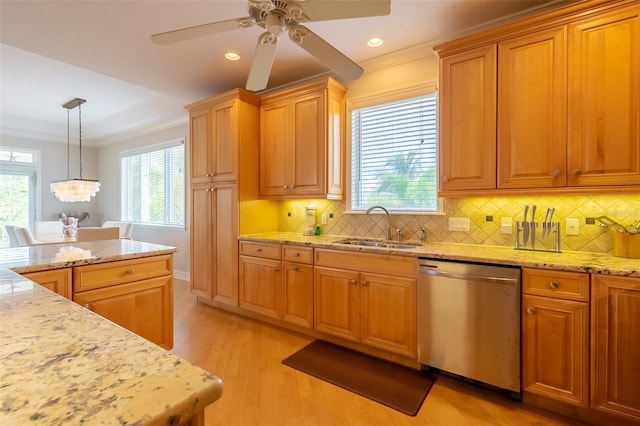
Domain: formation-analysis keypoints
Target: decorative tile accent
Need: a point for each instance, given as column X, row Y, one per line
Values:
column 624, row 209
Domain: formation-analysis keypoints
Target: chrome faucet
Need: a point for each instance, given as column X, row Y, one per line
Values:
column 388, row 218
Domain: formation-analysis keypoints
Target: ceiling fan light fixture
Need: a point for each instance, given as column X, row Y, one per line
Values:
column 232, row 56
column 375, row 42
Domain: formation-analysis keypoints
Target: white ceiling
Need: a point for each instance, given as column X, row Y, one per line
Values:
column 52, row 51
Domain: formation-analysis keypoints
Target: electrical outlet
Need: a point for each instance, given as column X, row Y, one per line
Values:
column 459, row 224
column 506, row 225
column 573, row 226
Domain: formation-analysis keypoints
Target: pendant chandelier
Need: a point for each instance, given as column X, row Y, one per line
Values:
column 75, row 189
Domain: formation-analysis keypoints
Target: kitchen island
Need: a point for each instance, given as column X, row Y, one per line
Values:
column 63, row 364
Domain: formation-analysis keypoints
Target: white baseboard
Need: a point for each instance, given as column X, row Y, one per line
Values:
column 181, row 275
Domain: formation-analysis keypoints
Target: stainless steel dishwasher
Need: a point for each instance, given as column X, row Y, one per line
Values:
column 469, row 321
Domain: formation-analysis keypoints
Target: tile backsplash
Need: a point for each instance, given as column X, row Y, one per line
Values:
column 624, row 209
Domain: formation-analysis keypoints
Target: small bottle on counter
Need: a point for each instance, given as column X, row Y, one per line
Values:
column 317, row 229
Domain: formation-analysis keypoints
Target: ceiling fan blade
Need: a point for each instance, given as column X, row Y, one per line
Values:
column 262, row 62
column 201, row 30
column 324, row 10
column 329, row 55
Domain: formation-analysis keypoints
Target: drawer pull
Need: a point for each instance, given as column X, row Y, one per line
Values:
column 296, row 254
column 531, row 311
column 364, row 283
column 554, row 284
column 130, row 271
column 295, row 268
column 258, row 250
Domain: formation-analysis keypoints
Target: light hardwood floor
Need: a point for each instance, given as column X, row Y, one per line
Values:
column 259, row 390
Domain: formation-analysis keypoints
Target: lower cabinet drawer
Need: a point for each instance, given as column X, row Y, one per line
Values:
column 99, row 275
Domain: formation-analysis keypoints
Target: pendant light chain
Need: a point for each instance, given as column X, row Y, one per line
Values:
column 68, row 151
column 80, row 135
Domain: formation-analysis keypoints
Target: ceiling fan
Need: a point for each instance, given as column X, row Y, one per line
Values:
column 277, row 16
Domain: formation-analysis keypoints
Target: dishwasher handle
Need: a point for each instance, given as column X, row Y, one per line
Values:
column 455, row 275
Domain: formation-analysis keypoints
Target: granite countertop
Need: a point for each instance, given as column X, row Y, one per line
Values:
column 52, row 256
column 63, row 364
column 564, row 261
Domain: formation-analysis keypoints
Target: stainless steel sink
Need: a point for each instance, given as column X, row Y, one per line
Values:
column 377, row 243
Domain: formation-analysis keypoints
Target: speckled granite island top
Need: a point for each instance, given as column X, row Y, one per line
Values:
column 62, row 364
column 51, row 256
column 564, row 261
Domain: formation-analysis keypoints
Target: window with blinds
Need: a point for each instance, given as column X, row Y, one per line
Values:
column 394, row 155
column 153, row 184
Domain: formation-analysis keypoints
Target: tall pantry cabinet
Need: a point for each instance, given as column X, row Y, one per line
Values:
column 224, row 137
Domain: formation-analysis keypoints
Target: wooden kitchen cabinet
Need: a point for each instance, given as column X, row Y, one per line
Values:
column 297, row 285
column 136, row 294
column 376, row 307
column 467, row 114
column 143, row 307
column 604, row 112
column 615, row 327
column 214, row 252
column 216, row 127
column 260, row 279
column 302, row 142
column 56, row 280
column 555, row 335
column 224, row 150
column 532, row 105
column 565, row 88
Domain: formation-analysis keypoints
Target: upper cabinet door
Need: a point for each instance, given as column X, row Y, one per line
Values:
column 532, row 135
column 468, row 120
column 309, row 144
column 275, row 158
column 224, row 132
column 200, row 147
column 604, row 107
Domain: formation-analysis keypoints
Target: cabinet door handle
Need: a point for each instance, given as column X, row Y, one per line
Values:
column 130, row 271
column 554, row 284
column 365, row 283
column 285, row 186
column 295, row 268
column 353, row 282
column 556, row 173
column 445, row 179
column 276, row 269
column 577, row 172
column 86, row 306
column 531, row 311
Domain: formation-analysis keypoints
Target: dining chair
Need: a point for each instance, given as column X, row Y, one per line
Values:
column 126, row 228
column 24, row 237
column 45, row 229
column 13, row 238
column 95, row 233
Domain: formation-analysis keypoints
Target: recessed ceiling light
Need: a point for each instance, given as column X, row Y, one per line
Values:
column 232, row 56
column 374, row 42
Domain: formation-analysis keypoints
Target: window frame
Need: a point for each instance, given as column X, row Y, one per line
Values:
column 378, row 99
column 31, row 169
column 124, row 205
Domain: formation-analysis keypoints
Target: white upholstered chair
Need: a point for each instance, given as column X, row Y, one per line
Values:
column 126, row 228
column 95, row 233
column 13, row 238
column 24, row 237
column 47, row 229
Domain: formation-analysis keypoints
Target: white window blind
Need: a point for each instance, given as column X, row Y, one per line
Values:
column 153, row 184
column 394, row 155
